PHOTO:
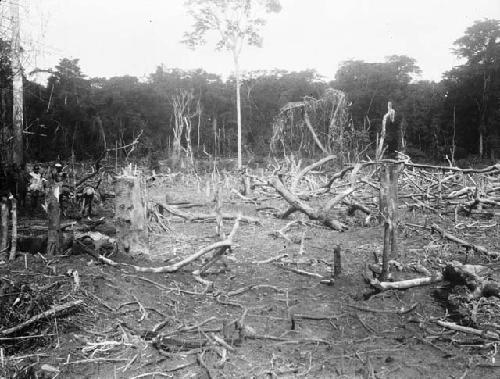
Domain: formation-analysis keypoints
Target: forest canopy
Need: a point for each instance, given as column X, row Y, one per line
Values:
column 72, row 114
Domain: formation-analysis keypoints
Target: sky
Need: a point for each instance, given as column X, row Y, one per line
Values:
column 124, row 37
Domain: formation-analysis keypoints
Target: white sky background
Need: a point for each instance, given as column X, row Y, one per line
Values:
column 120, row 37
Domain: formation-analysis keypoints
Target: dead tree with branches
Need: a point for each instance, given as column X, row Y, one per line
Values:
column 315, row 126
column 185, row 107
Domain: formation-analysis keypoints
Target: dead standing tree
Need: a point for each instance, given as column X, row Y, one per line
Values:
column 304, row 127
column 185, row 108
column 389, row 145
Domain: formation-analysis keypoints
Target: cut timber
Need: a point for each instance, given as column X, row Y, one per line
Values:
column 131, row 214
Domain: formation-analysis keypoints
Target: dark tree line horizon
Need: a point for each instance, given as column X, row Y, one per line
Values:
column 73, row 115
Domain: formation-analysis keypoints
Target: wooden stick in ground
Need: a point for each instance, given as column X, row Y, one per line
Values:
column 451, row 237
column 337, row 262
column 296, row 203
column 5, row 226
column 13, row 244
column 54, row 225
column 52, row 312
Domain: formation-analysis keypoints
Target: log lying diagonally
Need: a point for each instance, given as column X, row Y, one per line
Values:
column 297, row 205
column 224, row 244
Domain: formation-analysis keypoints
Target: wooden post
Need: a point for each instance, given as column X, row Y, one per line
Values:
column 131, row 214
column 337, row 262
column 13, row 244
column 54, row 216
column 5, row 225
column 389, row 174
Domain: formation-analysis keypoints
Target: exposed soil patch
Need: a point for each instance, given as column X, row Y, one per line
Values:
column 135, row 323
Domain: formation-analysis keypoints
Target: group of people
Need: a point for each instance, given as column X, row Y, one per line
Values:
column 18, row 182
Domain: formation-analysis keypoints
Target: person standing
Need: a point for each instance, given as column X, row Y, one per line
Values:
column 36, row 187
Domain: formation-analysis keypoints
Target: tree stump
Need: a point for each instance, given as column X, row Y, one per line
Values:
column 54, row 216
column 131, row 214
column 388, row 210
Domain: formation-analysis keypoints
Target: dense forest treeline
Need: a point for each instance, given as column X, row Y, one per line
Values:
column 72, row 114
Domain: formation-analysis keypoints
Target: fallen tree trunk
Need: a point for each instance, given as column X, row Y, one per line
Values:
column 465, row 329
column 207, row 217
column 52, row 312
column 296, row 180
column 405, row 284
column 298, row 205
column 451, row 237
column 225, row 244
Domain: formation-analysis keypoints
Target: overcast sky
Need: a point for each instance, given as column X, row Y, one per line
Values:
column 119, row 37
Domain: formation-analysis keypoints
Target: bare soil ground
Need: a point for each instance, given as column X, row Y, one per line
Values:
column 111, row 335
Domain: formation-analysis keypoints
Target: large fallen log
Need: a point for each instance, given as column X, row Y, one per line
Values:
column 206, row 217
column 405, row 284
column 298, row 205
column 296, row 180
column 451, row 237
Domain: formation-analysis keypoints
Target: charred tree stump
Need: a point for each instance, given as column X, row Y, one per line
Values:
column 131, row 214
column 54, row 225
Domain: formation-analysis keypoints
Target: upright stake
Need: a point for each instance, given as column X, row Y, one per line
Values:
column 389, row 187
column 5, row 225
column 13, row 244
column 337, row 262
column 53, row 213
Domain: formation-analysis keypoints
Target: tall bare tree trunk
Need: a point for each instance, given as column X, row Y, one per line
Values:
column 17, row 86
column 214, row 127
column 238, row 105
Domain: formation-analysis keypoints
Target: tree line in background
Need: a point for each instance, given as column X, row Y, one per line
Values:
column 193, row 113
